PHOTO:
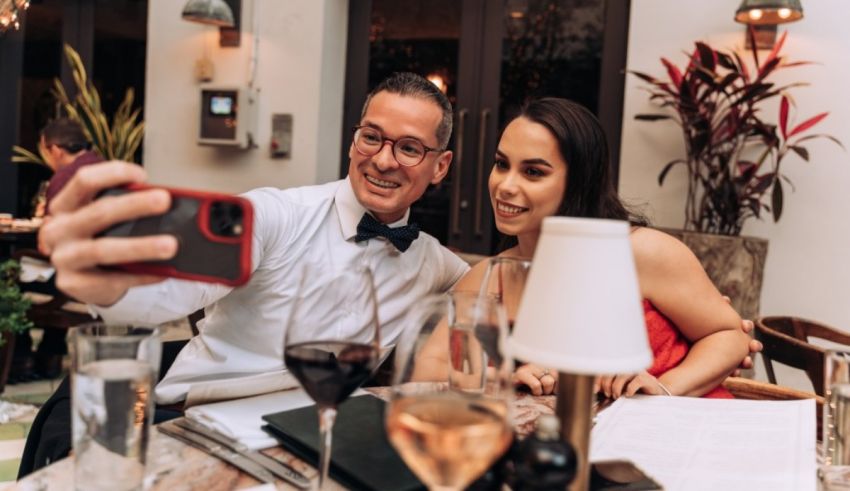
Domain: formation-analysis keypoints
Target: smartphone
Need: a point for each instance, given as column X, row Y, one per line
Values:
column 213, row 231
column 620, row 475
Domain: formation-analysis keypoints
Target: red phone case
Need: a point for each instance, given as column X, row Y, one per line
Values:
column 202, row 255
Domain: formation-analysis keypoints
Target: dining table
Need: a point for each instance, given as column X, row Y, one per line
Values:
column 20, row 234
column 173, row 465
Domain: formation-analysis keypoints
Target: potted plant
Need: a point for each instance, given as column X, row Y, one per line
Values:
column 116, row 142
column 13, row 315
column 733, row 156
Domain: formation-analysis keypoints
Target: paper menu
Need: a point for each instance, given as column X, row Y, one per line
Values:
column 688, row 443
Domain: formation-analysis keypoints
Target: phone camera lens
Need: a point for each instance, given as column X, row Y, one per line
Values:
column 226, row 219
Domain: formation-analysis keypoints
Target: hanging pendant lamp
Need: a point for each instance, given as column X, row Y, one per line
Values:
column 769, row 12
column 211, row 12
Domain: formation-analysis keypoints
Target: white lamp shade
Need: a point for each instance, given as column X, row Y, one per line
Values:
column 581, row 309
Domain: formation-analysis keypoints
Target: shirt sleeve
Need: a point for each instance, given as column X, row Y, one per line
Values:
column 453, row 269
column 162, row 302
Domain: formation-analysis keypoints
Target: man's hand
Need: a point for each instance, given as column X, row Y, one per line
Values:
column 68, row 237
column 755, row 346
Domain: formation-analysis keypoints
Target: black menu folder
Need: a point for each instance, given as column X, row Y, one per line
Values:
column 361, row 456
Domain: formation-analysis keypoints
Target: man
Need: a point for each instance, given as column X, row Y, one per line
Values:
column 65, row 149
column 398, row 149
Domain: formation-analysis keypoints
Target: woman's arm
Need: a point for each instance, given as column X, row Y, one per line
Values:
column 672, row 278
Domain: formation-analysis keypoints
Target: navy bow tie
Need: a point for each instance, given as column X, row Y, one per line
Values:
column 400, row 237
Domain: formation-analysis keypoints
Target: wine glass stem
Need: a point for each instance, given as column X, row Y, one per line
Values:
column 327, row 416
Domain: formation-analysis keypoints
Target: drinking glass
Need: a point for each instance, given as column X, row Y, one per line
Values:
column 114, row 370
column 836, row 420
column 332, row 343
column 450, row 431
column 505, row 279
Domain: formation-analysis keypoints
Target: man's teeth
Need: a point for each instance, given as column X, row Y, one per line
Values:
column 513, row 210
column 381, row 182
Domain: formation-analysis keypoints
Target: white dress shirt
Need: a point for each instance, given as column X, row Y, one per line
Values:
column 241, row 338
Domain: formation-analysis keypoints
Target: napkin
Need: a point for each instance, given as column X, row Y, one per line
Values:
column 242, row 418
column 35, row 270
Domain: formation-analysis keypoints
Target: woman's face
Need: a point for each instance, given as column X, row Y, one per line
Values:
column 528, row 179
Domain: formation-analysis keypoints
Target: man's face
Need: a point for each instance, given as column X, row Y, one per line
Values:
column 381, row 184
column 49, row 152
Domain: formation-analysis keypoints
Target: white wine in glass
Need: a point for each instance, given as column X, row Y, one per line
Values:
column 448, row 435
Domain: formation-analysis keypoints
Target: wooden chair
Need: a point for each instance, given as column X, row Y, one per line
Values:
column 786, row 340
column 744, row 388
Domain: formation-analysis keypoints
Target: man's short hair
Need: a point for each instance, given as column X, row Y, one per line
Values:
column 67, row 134
column 413, row 85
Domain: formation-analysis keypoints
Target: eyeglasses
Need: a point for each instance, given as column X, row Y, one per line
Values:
column 407, row 151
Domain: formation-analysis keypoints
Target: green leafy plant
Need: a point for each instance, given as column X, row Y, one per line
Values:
column 118, row 141
column 733, row 157
column 13, row 305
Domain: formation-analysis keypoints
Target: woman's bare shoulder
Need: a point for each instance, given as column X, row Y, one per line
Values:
column 651, row 246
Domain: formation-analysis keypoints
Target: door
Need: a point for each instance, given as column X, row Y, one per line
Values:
column 489, row 56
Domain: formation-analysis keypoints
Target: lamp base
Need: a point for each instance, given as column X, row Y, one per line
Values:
column 573, row 408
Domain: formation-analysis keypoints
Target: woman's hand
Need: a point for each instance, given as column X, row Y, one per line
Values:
column 540, row 381
column 614, row 386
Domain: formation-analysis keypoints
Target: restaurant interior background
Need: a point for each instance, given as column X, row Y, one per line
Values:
column 315, row 59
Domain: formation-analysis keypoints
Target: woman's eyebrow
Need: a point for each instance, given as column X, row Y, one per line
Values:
column 534, row 161
column 537, row 161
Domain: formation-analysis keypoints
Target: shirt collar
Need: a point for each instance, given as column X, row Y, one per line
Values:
column 350, row 210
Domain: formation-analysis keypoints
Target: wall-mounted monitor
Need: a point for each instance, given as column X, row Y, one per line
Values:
column 222, row 105
column 226, row 116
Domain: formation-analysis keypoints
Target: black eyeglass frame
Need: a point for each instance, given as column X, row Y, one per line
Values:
column 384, row 139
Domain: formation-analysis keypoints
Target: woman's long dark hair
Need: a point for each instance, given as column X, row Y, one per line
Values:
column 590, row 191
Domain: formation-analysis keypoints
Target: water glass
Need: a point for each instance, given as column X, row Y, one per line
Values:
column 505, row 279
column 835, row 471
column 114, row 370
column 476, row 326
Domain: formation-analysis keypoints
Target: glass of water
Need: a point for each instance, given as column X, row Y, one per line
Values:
column 836, row 420
column 477, row 327
column 114, row 370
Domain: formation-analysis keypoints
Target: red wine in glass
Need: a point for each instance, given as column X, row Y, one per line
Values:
column 330, row 371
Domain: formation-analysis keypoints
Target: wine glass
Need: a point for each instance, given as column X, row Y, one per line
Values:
column 449, row 422
column 332, row 343
column 505, row 279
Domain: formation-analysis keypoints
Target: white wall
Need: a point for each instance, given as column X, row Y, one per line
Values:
column 301, row 71
column 807, row 272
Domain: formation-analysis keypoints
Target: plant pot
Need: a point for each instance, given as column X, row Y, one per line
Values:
column 7, row 351
column 734, row 263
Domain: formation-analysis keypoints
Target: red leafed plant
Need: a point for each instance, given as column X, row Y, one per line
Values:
column 733, row 156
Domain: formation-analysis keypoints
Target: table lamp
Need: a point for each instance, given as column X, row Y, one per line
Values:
column 581, row 313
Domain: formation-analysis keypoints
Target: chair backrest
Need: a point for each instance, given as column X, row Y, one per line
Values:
column 786, row 340
column 743, row 388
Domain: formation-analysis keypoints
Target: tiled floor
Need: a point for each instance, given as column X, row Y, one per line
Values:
column 14, row 433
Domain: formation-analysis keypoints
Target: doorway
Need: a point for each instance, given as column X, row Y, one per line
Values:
column 489, row 57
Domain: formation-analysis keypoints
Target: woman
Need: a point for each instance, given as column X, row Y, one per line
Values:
column 553, row 160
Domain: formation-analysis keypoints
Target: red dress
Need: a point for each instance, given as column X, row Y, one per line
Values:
column 669, row 347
